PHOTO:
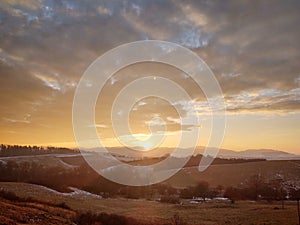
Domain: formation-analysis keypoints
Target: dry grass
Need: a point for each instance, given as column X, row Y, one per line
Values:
column 245, row 213
column 33, row 213
column 235, row 174
column 220, row 174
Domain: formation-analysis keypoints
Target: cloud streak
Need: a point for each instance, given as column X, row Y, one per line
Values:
column 251, row 46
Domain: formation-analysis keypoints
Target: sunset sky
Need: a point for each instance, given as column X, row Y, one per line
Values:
column 252, row 47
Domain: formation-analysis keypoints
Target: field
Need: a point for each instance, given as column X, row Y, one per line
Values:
column 223, row 174
column 12, row 212
column 209, row 213
column 63, row 167
column 219, row 174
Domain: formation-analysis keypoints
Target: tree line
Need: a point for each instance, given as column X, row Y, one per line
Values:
column 83, row 177
column 24, row 150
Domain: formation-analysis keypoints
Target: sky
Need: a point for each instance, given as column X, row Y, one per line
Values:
column 252, row 47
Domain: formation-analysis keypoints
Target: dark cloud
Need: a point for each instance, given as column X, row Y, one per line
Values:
column 259, row 41
column 251, row 46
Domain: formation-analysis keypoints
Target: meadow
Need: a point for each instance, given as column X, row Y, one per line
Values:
column 51, row 185
column 208, row 213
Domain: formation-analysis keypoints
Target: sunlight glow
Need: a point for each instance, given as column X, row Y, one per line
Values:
column 147, row 146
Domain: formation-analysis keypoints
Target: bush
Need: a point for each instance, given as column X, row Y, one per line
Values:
column 9, row 195
column 102, row 218
column 170, row 199
column 63, row 205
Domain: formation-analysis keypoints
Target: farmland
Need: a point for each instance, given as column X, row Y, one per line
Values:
column 216, row 174
column 209, row 213
column 63, row 184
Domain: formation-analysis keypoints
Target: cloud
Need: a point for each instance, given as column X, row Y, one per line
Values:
column 267, row 100
column 46, row 45
column 15, row 121
column 104, row 11
column 50, row 82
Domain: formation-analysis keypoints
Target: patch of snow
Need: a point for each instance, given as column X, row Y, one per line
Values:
column 77, row 191
column 194, row 202
column 66, row 164
column 221, row 199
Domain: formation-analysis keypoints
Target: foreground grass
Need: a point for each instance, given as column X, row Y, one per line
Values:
column 244, row 213
column 12, row 212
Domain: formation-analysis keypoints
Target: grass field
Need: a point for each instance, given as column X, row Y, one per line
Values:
column 223, row 174
column 209, row 213
column 33, row 213
column 220, row 174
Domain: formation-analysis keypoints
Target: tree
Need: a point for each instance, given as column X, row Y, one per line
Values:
column 255, row 185
column 280, row 189
column 202, row 190
column 187, row 193
column 232, row 193
column 220, row 189
column 295, row 195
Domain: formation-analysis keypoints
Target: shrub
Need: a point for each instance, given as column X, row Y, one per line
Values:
column 63, row 205
column 102, row 218
column 9, row 195
column 170, row 199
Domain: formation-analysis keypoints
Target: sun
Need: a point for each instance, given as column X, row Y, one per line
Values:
column 147, row 145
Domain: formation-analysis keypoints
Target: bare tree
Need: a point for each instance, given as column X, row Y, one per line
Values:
column 202, row 190
column 294, row 193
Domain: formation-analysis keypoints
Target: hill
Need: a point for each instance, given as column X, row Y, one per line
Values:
column 148, row 212
column 126, row 154
column 237, row 174
column 268, row 154
column 20, row 212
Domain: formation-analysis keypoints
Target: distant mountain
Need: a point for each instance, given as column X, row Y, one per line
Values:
column 126, row 154
column 268, row 154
